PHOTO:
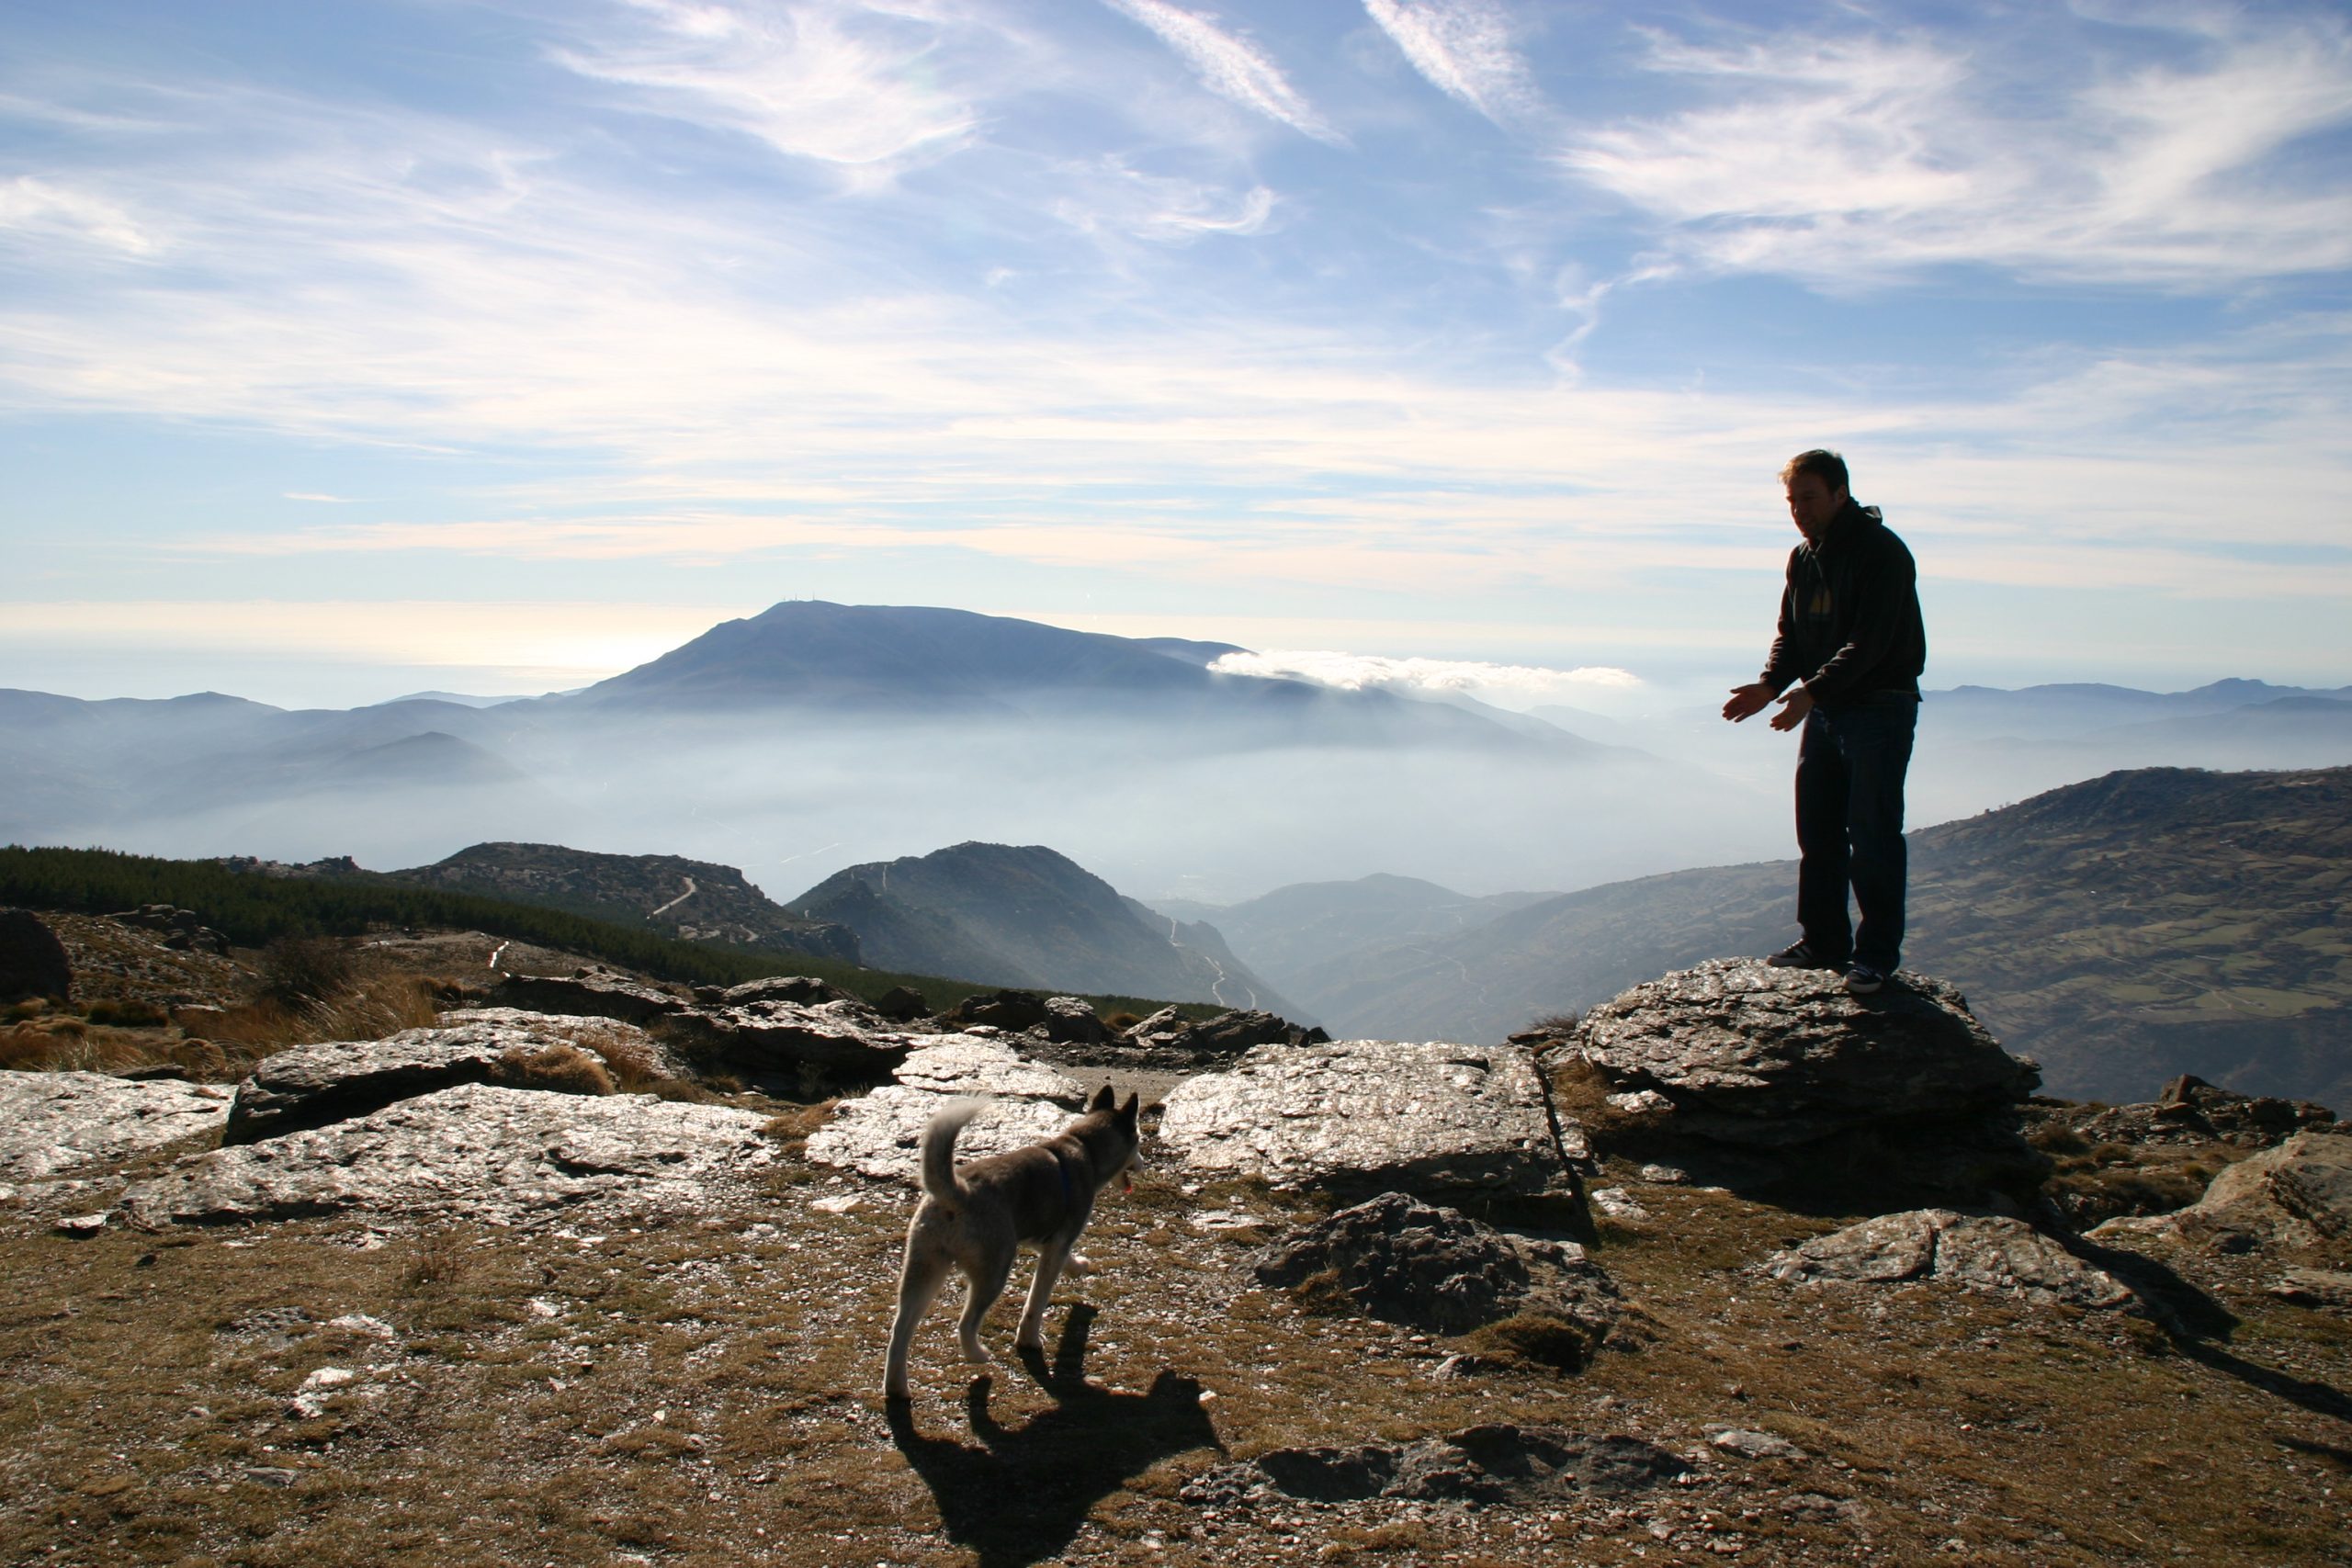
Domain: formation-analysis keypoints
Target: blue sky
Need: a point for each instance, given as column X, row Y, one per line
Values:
column 349, row 350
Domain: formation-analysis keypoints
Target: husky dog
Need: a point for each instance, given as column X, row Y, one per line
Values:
column 975, row 1218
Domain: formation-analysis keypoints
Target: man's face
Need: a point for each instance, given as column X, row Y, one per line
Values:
column 1814, row 503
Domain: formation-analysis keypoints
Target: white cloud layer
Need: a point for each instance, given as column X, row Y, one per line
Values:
column 1507, row 685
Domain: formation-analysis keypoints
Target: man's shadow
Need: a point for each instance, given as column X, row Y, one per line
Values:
column 1018, row 1496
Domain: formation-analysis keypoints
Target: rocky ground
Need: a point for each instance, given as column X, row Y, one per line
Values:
column 467, row 1317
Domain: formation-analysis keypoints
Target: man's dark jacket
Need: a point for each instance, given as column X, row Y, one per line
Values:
column 1849, row 615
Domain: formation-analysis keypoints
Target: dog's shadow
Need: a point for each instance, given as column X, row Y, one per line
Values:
column 1019, row 1494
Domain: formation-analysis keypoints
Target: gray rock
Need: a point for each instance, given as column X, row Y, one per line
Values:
column 2297, row 1193
column 783, row 989
column 901, row 1004
column 1410, row 1117
column 818, row 1045
column 1168, row 1039
column 1012, row 1011
column 2315, row 1288
column 592, row 992
column 876, row 1134
column 32, row 961
column 52, row 1123
column 1987, row 1253
column 310, row 1085
column 1401, row 1261
column 618, row 1044
column 478, row 1152
column 967, row 1065
column 182, row 929
column 1749, row 1444
column 1069, row 1021
column 1755, row 1056
column 1494, row 1465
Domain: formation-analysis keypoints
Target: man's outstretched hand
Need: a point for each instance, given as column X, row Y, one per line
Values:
column 1793, row 708
column 1747, row 701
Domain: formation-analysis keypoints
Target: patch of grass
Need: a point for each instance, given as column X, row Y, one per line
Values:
column 564, row 1069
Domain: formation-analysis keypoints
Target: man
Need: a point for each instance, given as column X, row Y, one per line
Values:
column 1845, row 668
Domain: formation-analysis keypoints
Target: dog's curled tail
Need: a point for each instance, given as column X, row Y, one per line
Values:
column 939, row 1149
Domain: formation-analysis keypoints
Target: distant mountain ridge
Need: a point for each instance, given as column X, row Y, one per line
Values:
column 2122, row 929
column 691, row 900
column 1027, row 916
column 1297, row 928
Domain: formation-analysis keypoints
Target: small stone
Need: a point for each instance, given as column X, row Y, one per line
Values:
column 1750, row 1444
column 82, row 1224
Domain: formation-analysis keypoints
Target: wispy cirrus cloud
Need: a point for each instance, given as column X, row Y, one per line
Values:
column 853, row 85
column 1231, row 65
column 1868, row 156
column 1465, row 48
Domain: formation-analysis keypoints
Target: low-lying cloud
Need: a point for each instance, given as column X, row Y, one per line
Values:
column 1505, row 686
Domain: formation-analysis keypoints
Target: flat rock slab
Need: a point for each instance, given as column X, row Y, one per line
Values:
column 1747, row 1054
column 1987, row 1253
column 590, row 993
column 335, row 1080
column 52, row 1123
column 1409, row 1117
column 968, row 1065
column 876, row 1135
column 1401, row 1261
column 478, row 1152
column 1498, row 1464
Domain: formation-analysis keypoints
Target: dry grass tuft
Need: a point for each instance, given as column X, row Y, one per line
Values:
column 1536, row 1340
column 1580, row 1093
column 564, row 1070
column 794, row 1128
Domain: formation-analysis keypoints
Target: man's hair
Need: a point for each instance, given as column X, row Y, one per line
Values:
column 1827, row 465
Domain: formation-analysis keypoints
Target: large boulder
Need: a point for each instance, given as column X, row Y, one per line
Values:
column 310, row 1085
column 878, row 1134
column 1747, row 1054
column 1427, row 1117
column 53, row 1124
column 32, row 961
column 816, row 1046
column 592, row 992
column 477, row 1152
column 2299, row 1193
column 1398, row 1260
column 1991, row 1254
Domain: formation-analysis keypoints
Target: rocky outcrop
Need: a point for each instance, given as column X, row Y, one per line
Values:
column 477, row 1152
column 803, row 988
column 1383, row 1113
column 310, row 1085
column 1169, row 1034
column 1991, row 1254
column 1401, row 1261
column 1494, row 1465
column 2299, row 1192
column 876, row 1135
column 33, row 963
column 182, row 929
column 1786, row 1067
column 1069, row 1021
column 592, row 992
column 53, row 1123
column 813, row 1047
column 2188, row 1111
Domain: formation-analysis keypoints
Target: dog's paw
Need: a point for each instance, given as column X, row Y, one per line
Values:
column 978, row 1356
column 1077, row 1268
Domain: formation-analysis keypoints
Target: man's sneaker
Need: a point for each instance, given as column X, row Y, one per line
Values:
column 1862, row 980
column 1797, row 955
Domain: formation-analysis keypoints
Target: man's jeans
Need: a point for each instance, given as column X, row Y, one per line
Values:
column 1850, row 764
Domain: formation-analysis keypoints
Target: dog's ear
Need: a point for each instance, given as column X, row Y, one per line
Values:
column 1101, row 1100
column 1127, row 1111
